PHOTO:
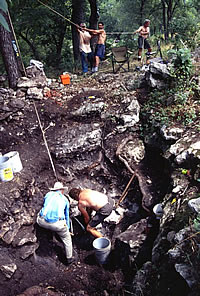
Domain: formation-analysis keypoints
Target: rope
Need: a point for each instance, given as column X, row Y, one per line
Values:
column 45, row 141
column 57, row 13
column 108, row 33
column 121, row 33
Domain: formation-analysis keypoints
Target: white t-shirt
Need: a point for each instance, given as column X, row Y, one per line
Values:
column 84, row 44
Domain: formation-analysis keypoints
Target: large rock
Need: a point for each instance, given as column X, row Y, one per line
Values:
column 34, row 93
column 157, row 75
column 185, row 148
column 129, row 243
column 78, row 139
column 7, row 266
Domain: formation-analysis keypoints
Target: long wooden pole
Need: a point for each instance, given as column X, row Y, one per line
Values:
column 125, row 192
column 45, row 142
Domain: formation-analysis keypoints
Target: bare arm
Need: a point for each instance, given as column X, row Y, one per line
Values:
column 138, row 30
column 93, row 231
column 84, row 213
column 142, row 31
column 94, row 31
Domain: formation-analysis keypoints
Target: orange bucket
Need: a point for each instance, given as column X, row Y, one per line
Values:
column 65, row 79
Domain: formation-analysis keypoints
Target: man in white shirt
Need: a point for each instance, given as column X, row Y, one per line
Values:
column 100, row 46
column 84, row 46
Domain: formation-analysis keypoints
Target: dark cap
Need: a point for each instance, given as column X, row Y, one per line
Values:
column 82, row 25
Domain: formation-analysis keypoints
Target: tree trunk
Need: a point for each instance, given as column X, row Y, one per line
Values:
column 77, row 18
column 94, row 16
column 164, row 19
column 58, row 40
column 8, row 54
column 142, row 11
column 171, row 6
column 31, row 45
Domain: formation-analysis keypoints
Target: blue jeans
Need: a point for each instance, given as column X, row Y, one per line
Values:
column 85, row 59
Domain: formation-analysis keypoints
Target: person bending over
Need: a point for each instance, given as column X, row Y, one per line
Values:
column 92, row 200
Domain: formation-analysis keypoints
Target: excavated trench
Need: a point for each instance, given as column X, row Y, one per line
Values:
column 153, row 167
column 105, row 163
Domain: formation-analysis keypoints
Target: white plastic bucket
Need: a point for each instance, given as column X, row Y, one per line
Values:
column 6, row 172
column 102, row 247
column 15, row 161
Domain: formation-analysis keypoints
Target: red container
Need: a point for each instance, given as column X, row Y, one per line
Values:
column 65, row 79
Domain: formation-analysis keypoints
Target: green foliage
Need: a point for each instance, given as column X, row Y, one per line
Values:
column 181, row 65
column 185, row 29
column 42, row 34
column 45, row 36
column 4, row 7
column 178, row 103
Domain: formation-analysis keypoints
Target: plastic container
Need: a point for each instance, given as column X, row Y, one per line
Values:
column 15, row 161
column 6, row 172
column 65, row 79
column 102, row 247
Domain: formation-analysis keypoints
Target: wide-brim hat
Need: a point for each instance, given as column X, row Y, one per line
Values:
column 58, row 186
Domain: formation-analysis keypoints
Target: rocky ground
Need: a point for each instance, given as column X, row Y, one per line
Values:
column 92, row 129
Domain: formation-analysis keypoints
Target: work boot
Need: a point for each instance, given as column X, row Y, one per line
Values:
column 73, row 259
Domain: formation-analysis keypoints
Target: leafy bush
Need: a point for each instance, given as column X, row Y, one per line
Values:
column 185, row 28
column 178, row 103
column 181, row 65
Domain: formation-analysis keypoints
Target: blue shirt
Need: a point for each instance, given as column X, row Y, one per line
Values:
column 55, row 207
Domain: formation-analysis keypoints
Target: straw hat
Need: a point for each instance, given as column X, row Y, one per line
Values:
column 58, row 186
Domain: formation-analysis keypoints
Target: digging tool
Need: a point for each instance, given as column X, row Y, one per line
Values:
column 79, row 223
column 71, row 228
column 125, row 192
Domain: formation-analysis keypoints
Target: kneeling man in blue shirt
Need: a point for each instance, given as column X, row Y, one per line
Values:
column 54, row 216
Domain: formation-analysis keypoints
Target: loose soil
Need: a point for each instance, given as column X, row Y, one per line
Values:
column 46, row 268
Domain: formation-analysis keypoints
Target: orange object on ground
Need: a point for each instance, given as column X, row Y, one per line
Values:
column 65, row 79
